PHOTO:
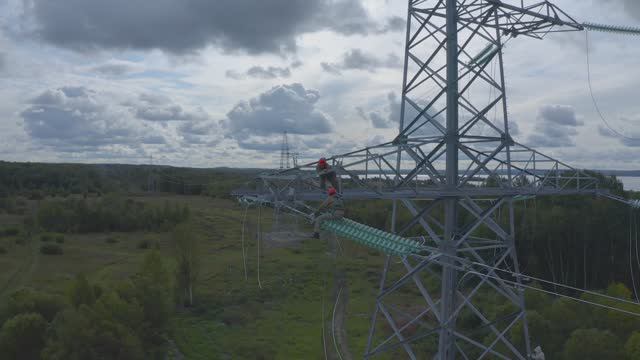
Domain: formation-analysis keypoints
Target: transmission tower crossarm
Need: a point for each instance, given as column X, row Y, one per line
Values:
column 531, row 20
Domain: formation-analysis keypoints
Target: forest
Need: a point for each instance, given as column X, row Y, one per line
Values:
column 169, row 291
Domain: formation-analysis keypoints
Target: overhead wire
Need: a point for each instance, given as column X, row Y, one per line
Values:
column 324, row 341
column 593, row 98
column 635, row 223
column 516, row 284
column 259, row 234
column 522, row 275
column 244, row 256
column 633, row 280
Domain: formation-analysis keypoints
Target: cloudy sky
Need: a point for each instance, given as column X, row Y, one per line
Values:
column 215, row 83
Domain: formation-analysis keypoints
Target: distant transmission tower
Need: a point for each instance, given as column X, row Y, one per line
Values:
column 295, row 156
column 285, row 155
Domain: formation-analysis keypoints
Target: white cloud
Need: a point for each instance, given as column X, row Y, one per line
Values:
column 191, row 93
column 556, row 127
column 283, row 108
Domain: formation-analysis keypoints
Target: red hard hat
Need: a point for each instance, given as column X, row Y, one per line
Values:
column 322, row 161
column 332, row 191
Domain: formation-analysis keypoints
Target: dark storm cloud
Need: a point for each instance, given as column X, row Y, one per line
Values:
column 330, row 68
column 260, row 145
column 356, row 59
column 254, row 26
column 514, row 128
column 202, row 127
column 114, row 68
column 270, row 72
column 559, row 114
column 396, row 23
column 200, row 132
column 631, row 7
column 264, row 72
column 283, row 108
column 555, row 127
column 626, row 138
column 153, row 107
column 73, row 118
column 232, row 74
column 389, row 119
column 165, row 113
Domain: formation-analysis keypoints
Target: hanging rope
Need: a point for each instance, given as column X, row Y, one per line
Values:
column 333, row 326
column 259, row 242
column 635, row 223
column 244, row 255
column 633, row 281
column 593, row 98
column 324, row 341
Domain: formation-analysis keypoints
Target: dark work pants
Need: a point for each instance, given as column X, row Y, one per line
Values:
column 333, row 180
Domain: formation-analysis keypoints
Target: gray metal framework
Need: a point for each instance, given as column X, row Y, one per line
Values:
column 453, row 174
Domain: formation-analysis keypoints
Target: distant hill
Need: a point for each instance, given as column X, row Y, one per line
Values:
column 624, row 173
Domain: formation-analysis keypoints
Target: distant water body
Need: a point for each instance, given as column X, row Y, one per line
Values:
column 630, row 182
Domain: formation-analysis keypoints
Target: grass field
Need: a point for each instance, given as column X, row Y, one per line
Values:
column 280, row 314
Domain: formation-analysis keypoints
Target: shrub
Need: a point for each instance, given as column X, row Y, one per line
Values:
column 46, row 237
column 144, row 244
column 111, row 240
column 3, row 250
column 234, row 317
column 20, row 241
column 35, row 195
column 31, row 301
column 23, row 336
column 12, row 231
column 51, row 249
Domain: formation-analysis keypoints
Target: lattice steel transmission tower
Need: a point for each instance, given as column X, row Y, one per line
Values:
column 285, row 156
column 450, row 46
column 453, row 174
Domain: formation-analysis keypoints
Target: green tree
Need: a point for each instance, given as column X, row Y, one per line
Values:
column 69, row 336
column 81, row 292
column 22, row 337
column 31, row 301
column 153, row 286
column 565, row 316
column 109, row 329
column 593, row 344
column 540, row 333
column 111, row 306
column 187, row 256
column 621, row 324
column 632, row 347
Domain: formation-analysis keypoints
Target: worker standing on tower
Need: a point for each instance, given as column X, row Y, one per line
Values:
column 327, row 173
column 333, row 208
